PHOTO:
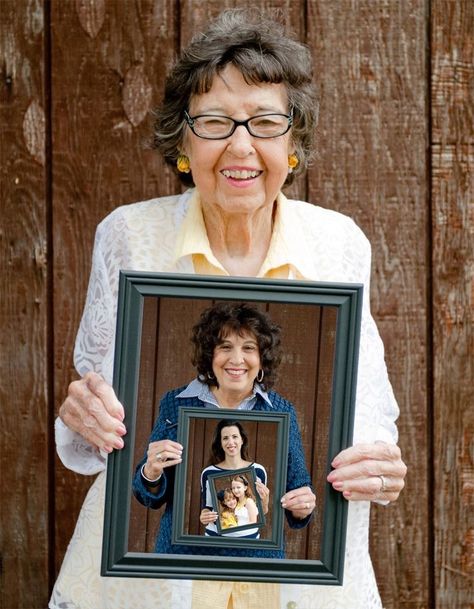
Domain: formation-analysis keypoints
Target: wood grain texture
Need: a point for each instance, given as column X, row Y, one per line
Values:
column 370, row 65
column 106, row 80
column 452, row 38
column 24, row 414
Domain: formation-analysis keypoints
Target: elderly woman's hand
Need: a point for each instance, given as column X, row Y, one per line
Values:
column 93, row 410
column 161, row 454
column 299, row 501
column 366, row 472
column 207, row 516
column 264, row 494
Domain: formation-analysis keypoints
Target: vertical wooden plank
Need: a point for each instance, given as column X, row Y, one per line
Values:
column 319, row 450
column 452, row 106
column 370, row 63
column 24, row 414
column 199, row 450
column 300, row 339
column 138, row 530
column 108, row 66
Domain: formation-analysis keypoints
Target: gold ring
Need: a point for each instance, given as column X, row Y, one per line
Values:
column 383, row 488
column 159, row 457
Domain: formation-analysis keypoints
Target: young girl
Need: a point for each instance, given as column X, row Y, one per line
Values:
column 246, row 510
column 227, row 505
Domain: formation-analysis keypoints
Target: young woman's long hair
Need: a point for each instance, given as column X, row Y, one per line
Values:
column 217, row 454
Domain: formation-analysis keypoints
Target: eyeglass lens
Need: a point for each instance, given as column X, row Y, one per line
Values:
column 265, row 125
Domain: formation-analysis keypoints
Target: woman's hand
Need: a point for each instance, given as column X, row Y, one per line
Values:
column 161, row 454
column 207, row 516
column 264, row 494
column 366, row 472
column 300, row 501
column 93, row 410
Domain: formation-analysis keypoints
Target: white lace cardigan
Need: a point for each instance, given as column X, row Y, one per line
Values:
column 142, row 236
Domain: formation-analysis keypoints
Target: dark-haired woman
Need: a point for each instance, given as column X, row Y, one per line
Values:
column 229, row 452
column 237, row 122
column 236, row 352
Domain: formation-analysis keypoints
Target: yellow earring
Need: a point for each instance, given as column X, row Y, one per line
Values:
column 183, row 164
column 292, row 162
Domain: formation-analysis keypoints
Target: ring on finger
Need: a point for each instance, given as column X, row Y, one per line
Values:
column 158, row 457
column 383, row 480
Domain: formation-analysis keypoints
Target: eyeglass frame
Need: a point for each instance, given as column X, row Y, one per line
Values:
column 190, row 122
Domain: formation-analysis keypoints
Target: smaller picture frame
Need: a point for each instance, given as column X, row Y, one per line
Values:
column 222, row 482
column 270, row 433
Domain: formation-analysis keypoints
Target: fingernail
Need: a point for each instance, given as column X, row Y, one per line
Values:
column 347, row 494
column 331, row 477
column 336, row 462
column 118, row 443
column 122, row 430
column 338, row 486
column 107, row 449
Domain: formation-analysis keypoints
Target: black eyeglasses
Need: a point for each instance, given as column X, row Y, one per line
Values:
column 217, row 127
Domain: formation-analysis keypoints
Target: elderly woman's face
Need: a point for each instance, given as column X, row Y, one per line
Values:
column 236, row 362
column 240, row 174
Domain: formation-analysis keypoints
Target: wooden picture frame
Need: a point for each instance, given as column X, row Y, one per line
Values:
column 274, row 426
column 323, row 321
column 218, row 484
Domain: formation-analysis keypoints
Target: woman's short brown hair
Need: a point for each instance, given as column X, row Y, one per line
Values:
column 218, row 321
column 258, row 47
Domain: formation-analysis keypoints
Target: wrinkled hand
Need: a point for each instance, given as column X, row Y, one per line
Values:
column 207, row 516
column 300, row 501
column 367, row 472
column 264, row 494
column 161, row 454
column 93, row 410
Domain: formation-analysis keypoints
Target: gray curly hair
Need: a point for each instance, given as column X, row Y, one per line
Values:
column 258, row 47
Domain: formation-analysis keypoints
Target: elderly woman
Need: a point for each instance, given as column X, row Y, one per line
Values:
column 236, row 353
column 237, row 120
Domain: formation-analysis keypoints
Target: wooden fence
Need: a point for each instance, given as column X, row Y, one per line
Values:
column 78, row 80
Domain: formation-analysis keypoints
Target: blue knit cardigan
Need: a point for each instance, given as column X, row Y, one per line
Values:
column 166, row 428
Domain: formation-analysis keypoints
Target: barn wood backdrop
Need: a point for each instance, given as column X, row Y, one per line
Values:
column 78, row 81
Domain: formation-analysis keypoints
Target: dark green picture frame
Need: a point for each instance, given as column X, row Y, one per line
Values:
column 346, row 299
column 278, row 482
column 249, row 473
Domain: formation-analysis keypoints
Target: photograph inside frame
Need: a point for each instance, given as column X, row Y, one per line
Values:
column 245, row 517
column 176, row 337
column 226, row 489
column 304, row 378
